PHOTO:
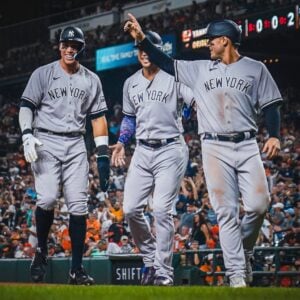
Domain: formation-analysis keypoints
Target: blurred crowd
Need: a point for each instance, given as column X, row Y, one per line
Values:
column 25, row 59
column 194, row 219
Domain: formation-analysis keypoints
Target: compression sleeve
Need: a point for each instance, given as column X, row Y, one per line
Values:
column 127, row 129
column 157, row 56
column 272, row 119
column 25, row 120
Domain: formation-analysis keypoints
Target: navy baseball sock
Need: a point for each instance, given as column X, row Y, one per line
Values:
column 77, row 230
column 44, row 220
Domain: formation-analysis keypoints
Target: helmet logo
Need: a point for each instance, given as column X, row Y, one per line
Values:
column 71, row 33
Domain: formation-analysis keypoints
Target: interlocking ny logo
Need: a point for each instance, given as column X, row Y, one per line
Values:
column 71, row 33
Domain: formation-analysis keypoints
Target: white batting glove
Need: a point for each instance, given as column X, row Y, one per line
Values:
column 29, row 144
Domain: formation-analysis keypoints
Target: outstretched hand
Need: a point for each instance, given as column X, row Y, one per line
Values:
column 271, row 147
column 134, row 28
column 118, row 155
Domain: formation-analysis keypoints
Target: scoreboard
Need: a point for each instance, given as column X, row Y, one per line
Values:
column 251, row 26
column 283, row 19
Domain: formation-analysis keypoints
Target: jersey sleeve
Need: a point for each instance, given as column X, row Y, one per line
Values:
column 267, row 92
column 186, row 72
column 128, row 107
column 99, row 104
column 34, row 89
column 186, row 94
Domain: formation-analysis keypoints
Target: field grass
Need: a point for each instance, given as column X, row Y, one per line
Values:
column 101, row 292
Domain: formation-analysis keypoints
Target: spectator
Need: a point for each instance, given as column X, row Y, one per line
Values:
column 93, row 227
column 187, row 218
column 125, row 245
column 209, row 268
column 113, row 248
column 200, row 231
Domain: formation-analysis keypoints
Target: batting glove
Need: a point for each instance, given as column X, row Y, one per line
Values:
column 29, row 144
column 103, row 167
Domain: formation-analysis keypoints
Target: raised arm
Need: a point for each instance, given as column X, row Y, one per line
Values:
column 156, row 56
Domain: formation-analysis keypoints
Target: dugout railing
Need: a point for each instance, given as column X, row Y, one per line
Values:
column 270, row 265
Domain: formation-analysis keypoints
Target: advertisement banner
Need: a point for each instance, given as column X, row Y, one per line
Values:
column 126, row 54
column 126, row 269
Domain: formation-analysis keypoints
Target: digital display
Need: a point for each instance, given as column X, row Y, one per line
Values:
column 281, row 19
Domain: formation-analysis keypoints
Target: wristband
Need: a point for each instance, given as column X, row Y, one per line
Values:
column 27, row 130
column 101, row 140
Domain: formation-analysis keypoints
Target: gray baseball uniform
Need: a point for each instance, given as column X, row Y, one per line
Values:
column 228, row 99
column 62, row 103
column 155, row 168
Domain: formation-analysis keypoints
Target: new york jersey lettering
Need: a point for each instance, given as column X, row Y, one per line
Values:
column 229, row 82
column 64, row 92
column 150, row 95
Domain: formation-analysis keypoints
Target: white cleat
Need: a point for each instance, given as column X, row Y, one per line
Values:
column 237, row 282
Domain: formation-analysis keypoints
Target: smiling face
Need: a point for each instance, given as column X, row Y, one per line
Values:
column 68, row 50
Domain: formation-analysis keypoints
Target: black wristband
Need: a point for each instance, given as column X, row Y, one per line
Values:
column 27, row 130
column 102, row 150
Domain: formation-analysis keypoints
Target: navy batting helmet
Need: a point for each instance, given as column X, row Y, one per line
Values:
column 154, row 37
column 224, row 28
column 72, row 33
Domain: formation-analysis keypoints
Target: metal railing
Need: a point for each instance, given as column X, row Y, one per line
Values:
column 269, row 259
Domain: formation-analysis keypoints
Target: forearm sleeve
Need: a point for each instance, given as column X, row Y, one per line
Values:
column 272, row 119
column 25, row 119
column 158, row 57
column 127, row 129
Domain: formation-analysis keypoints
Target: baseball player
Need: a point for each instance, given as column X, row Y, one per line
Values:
column 230, row 90
column 152, row 112
column 54, row 106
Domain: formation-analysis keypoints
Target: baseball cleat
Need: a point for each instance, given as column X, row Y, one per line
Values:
column 237, row 282
column 147, row 277
column 38, row 266
column 80, row 277
column 163, row 281
column 249, row 272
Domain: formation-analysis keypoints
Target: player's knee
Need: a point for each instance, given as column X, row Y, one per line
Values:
column 260, row 207
column 47, row 203
column 226, row 213
column 78, row 208
column 130, row 211
column 163, row 217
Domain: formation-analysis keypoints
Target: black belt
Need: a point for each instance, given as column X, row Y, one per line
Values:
column 230, row 137
column 158, row 143
column 67, row 134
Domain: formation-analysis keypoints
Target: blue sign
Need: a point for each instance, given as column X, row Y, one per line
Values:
column 126, row 54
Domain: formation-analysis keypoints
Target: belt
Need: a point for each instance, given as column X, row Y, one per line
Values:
column 67, row 134
column 236, row 137
column 158, row 143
